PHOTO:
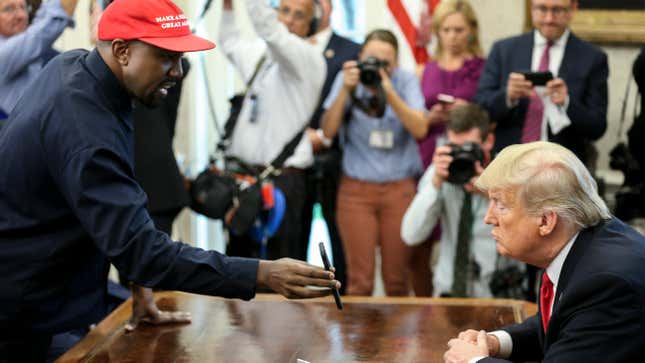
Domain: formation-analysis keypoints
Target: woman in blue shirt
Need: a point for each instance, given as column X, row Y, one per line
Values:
column 380, row 160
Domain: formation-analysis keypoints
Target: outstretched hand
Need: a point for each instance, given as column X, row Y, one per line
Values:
column 144, row 309
column 293, row 279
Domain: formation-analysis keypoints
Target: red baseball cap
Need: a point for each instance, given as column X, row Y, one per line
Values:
column 157, row 22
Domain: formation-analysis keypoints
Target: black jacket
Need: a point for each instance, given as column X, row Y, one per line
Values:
column 584, row 69
column 598, row 312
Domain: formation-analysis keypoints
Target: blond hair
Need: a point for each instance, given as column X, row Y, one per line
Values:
column 548, row 177
column 448, row 7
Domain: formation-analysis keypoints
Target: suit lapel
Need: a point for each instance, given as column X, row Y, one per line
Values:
column 568, row 58
column 524, row 53
column 332, row 48
column 570, row 263
column 568, row 268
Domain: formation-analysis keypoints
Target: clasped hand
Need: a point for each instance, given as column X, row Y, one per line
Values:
column 470, row 344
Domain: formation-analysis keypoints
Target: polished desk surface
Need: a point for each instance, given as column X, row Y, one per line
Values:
column 273, row 329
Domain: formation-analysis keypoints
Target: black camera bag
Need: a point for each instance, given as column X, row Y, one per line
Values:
column 214, row 193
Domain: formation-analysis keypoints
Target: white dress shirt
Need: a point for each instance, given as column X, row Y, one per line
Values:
column 554, row 116
column 285, row 91
column 321, row 39
column 553, row 271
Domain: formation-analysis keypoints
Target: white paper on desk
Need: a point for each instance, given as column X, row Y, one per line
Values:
column 556, row 115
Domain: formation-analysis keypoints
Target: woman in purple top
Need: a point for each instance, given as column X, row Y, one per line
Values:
column 454, row 72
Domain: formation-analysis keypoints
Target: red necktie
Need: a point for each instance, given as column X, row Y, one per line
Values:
column 533, row 123
column 546, row 296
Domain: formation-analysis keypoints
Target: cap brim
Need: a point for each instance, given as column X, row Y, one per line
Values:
column 186, row 43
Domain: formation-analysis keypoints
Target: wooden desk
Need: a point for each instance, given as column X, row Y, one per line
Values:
column 273, row 329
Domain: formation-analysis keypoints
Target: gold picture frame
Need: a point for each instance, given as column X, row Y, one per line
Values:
column 605, row 26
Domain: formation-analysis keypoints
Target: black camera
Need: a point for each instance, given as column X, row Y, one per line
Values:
column 620, row 158
column 508, row 283
column 630, row 198
column 464, row 157
column 370, row 70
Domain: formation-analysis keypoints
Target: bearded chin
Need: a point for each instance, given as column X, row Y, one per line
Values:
column 150, row 100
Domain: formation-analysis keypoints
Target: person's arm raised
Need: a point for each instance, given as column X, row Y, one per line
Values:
column 69, row 6
column 23, row 49
column 415, row 121
column 333, row 117
column 295, row 55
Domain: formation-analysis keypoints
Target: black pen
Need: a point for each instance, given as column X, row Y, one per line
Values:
column 323, row 256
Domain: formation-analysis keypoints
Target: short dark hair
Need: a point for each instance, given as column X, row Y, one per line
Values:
column 469, row 116
column 383, row 35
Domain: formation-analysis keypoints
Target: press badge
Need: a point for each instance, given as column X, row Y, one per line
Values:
column 382, row 139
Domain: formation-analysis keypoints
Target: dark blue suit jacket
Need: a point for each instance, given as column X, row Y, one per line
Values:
column 339, row 50
column 599, row 309
column 584, row 69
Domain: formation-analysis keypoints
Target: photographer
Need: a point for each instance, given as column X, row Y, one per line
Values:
column 277, row 106
column 378, row 110
column 25, row 48
column 630, row 159
column 467, row 255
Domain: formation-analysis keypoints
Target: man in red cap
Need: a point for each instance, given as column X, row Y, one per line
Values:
column 69, row 202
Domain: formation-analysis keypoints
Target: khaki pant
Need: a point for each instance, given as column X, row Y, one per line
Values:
column 370, row 214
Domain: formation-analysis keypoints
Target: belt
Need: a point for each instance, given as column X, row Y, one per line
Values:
column 293, row 171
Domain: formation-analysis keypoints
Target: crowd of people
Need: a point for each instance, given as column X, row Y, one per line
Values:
column 473, row 178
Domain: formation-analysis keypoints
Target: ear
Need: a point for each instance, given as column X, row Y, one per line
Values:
column 574, row 6
column 395, row 64
column 548, row 222
column 489, row 141
column 121, row 51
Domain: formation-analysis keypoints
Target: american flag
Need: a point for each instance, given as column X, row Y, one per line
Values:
column 410, row 21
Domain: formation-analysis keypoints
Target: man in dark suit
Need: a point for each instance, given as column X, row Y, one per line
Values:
column 323, row 176
column 546, row 211
column 572, row 109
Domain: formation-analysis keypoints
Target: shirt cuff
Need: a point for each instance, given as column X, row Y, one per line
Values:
column 476, row 359
column 510, row 104
column 505, row 343
column 239, row 280
column 324, row 139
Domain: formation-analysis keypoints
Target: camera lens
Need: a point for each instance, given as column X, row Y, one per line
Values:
column 370, row 71
column 460, row 171
column 370, row 78
column 464, row 157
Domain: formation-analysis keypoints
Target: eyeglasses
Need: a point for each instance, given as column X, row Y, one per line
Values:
column 297, row 14
column 13, row 9
column 557, row 11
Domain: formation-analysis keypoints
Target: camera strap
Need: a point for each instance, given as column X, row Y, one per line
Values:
column 223, row 144
column 286, row 152
column 375, row 106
